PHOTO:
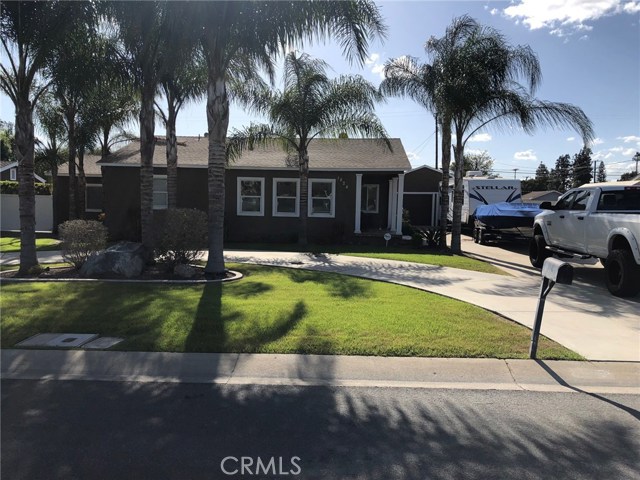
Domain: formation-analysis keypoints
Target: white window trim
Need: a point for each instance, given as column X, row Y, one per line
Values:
column 274, row 198
column 239, row 211
column 86, row 197
column 13, row 174
column 364, row 187
column 166, row 193
column 332, row 181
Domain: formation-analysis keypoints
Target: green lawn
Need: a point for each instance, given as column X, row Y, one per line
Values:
column 12, row 244
column 404, row 254
column 275, row 310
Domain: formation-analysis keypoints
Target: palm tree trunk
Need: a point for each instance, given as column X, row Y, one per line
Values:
column 172, row 157
column 82, row 185
column 218, row 123
column 26, row 187
column 458, row 195
column 55, row 197
column 73, row 183
column 444, row 187
column 303, row 158
column 147, row 146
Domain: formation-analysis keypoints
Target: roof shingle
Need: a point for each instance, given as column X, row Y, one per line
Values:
column 324, row 154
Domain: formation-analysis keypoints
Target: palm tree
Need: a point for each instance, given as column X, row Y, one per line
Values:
column 50, row 154
column 29, row 31
column 187, row 81
column 407, row 77
column 312, row 106
column 258, row 31
column 478, row 85
column 150, row 37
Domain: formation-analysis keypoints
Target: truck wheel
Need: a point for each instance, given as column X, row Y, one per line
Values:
column 537, row 251
column 481, row 237
column 622, row 273
column 476, row 235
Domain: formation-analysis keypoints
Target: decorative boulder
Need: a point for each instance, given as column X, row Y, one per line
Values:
column 184, row 271
column 123, row 259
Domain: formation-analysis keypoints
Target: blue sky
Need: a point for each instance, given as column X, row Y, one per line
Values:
column 589, row 51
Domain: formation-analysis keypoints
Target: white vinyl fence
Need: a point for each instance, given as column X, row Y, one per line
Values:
column 10, row 213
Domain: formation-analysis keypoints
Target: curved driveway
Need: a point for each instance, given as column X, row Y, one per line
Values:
column 584, row 316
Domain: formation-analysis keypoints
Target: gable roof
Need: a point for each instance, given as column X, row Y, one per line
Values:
column 423, row 167
column 91, row 167
column 324, row 154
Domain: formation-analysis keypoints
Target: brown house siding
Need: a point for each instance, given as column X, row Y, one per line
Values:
column 62, row 199
column 122, row 205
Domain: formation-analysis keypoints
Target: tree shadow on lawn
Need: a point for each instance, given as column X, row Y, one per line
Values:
column 336, row 285
column 209, row 331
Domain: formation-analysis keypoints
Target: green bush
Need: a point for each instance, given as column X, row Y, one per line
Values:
column 81, row 239
column 7, row 186
column 182, row 237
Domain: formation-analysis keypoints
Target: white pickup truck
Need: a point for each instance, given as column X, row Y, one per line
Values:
column 600, row 220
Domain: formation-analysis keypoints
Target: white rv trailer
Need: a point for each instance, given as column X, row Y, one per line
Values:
column 480, row 190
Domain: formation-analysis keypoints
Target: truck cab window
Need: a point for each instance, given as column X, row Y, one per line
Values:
column 581, row 200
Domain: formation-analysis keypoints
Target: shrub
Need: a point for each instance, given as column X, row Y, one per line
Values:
column 182, row 237
column 81, row 239
column 11, row 187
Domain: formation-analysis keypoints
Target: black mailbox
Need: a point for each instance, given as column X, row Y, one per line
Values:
column 557, row 271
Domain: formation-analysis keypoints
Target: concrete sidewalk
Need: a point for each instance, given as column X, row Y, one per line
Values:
column 326, row 370
column 583, row 317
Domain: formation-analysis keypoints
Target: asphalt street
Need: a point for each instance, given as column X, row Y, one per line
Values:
column 122, row 430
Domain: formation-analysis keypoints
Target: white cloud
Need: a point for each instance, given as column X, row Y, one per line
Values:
column 526, row 155
column 376, row 67
column 480, row 137
column 629, row 152
column 413, row 157
column 616, row 149
column 629, row 139
column 598, row 141
column 494, row 11
column 566, row 17
column 570, row 139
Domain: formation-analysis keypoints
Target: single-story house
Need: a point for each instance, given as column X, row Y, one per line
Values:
column 93, row 194
column 9, row 171
column 539, row 197
column 356, row 188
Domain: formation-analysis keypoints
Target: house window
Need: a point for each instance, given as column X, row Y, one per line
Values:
column 160, row 196
column 286, row 197
column 322, row 193
column 250, row 196
column 93, row 198
column 370, row 196
column 13, row 174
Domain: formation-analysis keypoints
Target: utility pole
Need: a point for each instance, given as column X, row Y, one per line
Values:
column 594, row 171
column 514, row 172
column 636, row 157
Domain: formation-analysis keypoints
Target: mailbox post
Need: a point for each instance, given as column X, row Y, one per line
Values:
column 553, row 271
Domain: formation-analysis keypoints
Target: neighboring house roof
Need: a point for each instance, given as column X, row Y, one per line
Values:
column 421, row 167
column 91, row 167
column 7, row 165
column 324, row 154
column 535, row 195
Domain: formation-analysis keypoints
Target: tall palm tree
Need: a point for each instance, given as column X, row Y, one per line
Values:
column 148, row 31
column 259, row 30
column 478, row 85
column 312, row 106
column 186, row 81
column 29, row 31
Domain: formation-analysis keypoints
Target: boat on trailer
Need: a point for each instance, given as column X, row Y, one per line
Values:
column 504, row 220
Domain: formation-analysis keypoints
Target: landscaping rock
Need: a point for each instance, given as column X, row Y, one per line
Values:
column 184, row 271
column 124, row 259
